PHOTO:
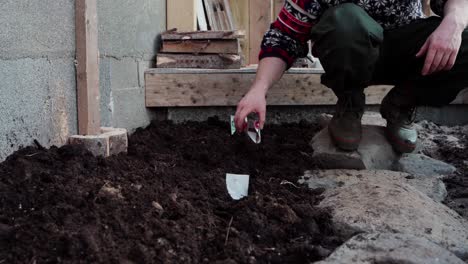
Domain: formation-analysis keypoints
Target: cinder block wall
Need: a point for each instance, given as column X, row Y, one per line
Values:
column 128, row 32
column 37, row 73
column 37, row 67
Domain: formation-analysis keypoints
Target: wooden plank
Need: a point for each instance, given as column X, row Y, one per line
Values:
column 227, row 6
column 277, row 6
column 87, row 70
column 240, row 13
column 181, row 14
column 173, row 35
column 211, row 15
column 213, row 61
column 226, row 88
column 246, row 70
column 260, row 19
column 201, row 16
column 201, row 46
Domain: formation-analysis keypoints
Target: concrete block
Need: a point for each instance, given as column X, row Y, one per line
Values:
column 40, row 103
column 129, row 109
column 36, row 29
column 98, row 145
column 111, row 141
column 374, row 152
column 123, row 73
column 130, row 28
column 118, row 140
column 105, row 92
column 142, row 67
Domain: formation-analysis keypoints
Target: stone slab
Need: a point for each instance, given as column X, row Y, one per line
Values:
column 433, row 187
column 391, row 248
column 388, row 205
column 374, row 152
column 368, row 118
column 420, row 164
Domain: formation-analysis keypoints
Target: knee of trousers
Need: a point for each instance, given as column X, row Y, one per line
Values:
column 347, row 41
column 347, row 29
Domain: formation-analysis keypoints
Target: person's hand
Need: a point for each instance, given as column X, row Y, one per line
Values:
column 253, row 102
column 441, row 48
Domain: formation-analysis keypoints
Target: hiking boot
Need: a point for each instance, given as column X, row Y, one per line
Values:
column 399, row 109
column 345, row 127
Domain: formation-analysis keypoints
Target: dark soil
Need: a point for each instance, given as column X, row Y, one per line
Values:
column 450, row 144
column 166, row 201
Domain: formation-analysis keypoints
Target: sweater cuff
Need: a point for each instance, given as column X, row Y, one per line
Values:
column 277, row 53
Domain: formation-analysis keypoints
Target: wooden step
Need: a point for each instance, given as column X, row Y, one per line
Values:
column 202, row 87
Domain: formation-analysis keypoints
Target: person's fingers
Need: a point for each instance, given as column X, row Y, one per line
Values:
column 443, row 62
column 436, row 62
column 238, row 121
column 261, row 115
column 423, row 50
column 428, row 62
column 240, row 124
column 451, row 61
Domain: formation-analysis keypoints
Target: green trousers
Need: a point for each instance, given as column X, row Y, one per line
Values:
column 356, row 52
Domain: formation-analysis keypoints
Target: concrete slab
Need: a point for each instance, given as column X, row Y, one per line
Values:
column 374, row 152
column 391, row 248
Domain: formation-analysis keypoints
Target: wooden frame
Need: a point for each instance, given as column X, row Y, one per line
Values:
column 87, row 70
column 202, row 87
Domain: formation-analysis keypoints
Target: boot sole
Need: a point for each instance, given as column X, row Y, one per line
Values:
column 398, row 145
column 345, row 144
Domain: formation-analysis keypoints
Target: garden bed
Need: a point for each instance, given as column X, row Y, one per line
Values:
column 166, row 201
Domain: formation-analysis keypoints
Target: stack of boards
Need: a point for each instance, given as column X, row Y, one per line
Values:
column 200, row 49
column 218, row 48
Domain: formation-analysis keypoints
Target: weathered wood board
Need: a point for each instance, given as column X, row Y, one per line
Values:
column 168, row 88
column 173, row 35
column 181, row 14
column 260, row 20
column 240, row 11
column 87, row 70
column 201, row 46
column 205, row 61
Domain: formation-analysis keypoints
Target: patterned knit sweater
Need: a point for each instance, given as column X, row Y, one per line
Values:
column 288, row 35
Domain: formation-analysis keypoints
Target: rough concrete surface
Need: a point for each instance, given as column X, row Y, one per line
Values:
column 329, row 179
column 128, row 41
column 384, row 204
column 374, row 151
column 38, row 101
column 420, row 164
column 391, row 248
column 37, row 29
column 111, row 141
column 368, row 118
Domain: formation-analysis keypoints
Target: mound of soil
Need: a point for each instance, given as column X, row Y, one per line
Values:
column 166, row 201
